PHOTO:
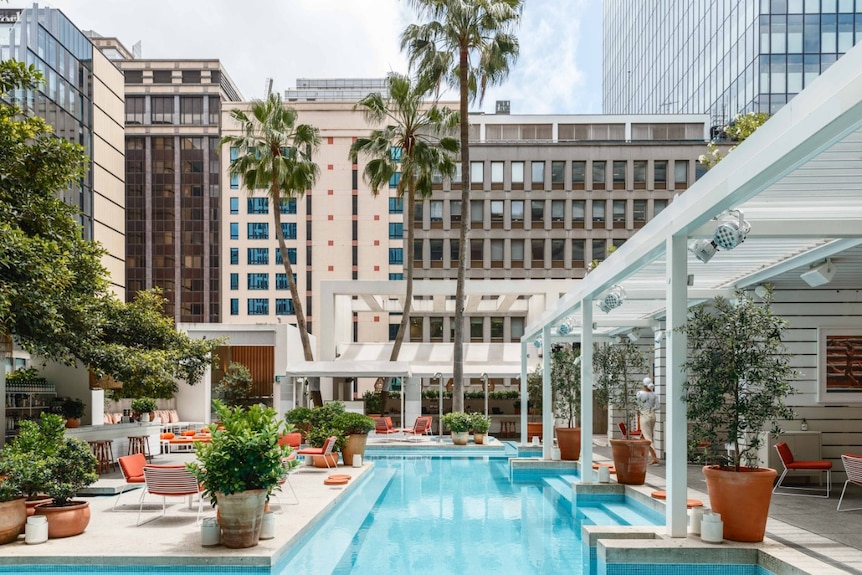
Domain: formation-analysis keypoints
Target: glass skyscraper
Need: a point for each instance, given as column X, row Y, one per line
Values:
column 719, row 57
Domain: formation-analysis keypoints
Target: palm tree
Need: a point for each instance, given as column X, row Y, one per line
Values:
column 470, row 45
column 413, row 143
column 274, row 154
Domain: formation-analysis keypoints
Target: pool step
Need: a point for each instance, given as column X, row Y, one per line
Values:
column 596, row 515
column 626, row 514
column 561, row 484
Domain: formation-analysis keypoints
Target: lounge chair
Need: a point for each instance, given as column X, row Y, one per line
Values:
column 285, row 479
column 853, row 467
column 422, row 426
column 629, row 434
column 171, row 481
column 383, row 426
column 132, row 467
column 791, row 464
column 324, row 451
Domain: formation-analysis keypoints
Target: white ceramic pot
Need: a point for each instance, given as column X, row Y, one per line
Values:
column 210, row 532
column 36, row 529
column 267, row 528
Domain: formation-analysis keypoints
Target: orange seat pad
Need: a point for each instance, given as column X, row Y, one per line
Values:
column 332, row 480
column 689, row 502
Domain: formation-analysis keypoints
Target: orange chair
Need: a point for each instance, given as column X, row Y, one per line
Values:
column 289, row 467
column 633, row 434
column 292, row 439
column 171, row 481
column 791, row 464
column 383, row 426
column 324, row 451
column 853, row 467
column 132, row 467
column 421, row 427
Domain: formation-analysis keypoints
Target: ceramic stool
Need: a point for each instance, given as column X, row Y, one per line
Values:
column 507, row 428
column 140, row 444
column 104, row 452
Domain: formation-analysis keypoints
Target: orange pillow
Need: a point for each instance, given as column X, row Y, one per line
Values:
column 204, row 431
column 188, row 433
column 167, row 436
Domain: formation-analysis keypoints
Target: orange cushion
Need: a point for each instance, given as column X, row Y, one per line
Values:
column 204, row 431
column 167, row 436
column 188, row 433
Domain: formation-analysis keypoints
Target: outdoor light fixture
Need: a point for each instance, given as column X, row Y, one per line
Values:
column 761, row 291
column 731, row 230
column 612, row 299
column 819, row 274
column 567, row 327
column 538, row 343
column 634, row 335
column 703, row 249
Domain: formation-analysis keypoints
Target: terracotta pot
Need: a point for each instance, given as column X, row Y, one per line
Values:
column 240, row 516
column 569, row 441
column 13, row 517
column 355, row 446
column 478, row 438
column 319, row 461
column 72, row 423
column 32, row 503
column 67, row 520
column 630, row 460
column 742, row 498
column 460, row 437
column 534, row 430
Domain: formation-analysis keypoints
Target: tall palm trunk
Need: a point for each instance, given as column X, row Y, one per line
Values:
column 458, row 367
column 409, row 264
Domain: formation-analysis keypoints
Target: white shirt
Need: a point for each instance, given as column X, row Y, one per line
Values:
column 647, row 400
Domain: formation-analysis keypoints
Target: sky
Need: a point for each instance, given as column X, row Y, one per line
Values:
column 558, row 71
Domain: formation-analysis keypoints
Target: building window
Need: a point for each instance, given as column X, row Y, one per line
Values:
column 419, row 252
column 599, row 212
column 396, row 277
column 660, row 174
column 517, row 249
column 578, row 213
column 394, row 179
column 234, row 281
column 497, row 329
column 257, row 281
column 599, row 249
column 234, row 306
column 436, row 251
column 619, row 215
column 258, row 205
column 477, row 172
column 497, row 172
column 234, row 231
column 454, row 212
column 162, row 110
column 288, row 206
column 435, row 211
column 516, row 328
column 497, row 253
column 497, row 211
column 639, row 173
column 393, row 331
column 291, row 256
column 418, row 214
column 537, row 213
column 680, row 174
column 477, row 253
column 396, row 256
column 191, row 110
column 396, row 206
column 517, row 207
column 537, row 253
column 191, row 76
column 234, row 256
column 258, row 230
column 558, row 175
column 699, row 170
column 436, row 331
column 234, row 181
column 257, row 256
column 396, row 231
column 454, row 251
column 619, row 175
column 215, row 110
column 517, row 172
column 133, row 76
column 234, row 206
column 258, row 306
column 537, row 173
column 599, row 169
column 288, row 230
column 558, row 211
column 639, row 213
column 579, row 175
column 135, row 110
column 477, row 211
column 162, row 76
column 578, row 253
column 477, row 325
column 281, row 282
column 658, row 206
column 283, row 306
column 558, row 253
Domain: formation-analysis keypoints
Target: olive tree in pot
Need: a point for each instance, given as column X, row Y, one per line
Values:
column 459, row 423
column 566, row 388
column 354, row 427
column 534, row 404
column 737, row 380
column 619, row 369
column 240, row 467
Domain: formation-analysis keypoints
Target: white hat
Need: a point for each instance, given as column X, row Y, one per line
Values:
column 649, row 384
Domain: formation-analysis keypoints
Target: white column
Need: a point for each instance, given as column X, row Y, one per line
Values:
column 97, row 407
column 523, row 392
column 587, row 390
column 677, row 309
column 547, row 395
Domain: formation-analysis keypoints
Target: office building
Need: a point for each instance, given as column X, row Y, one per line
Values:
column 173, row 181
column 719, row 58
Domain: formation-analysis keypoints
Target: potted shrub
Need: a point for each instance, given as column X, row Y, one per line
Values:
column 459, row 423
column 300, row 418
column 619, row 371
column 13, row 511
column 355, row 428
column 70, row 408
column 321, row 422
column 480, row 424
column 143, row 408
column 236, row 384
column 534, row 403
column 25, row 461
column 737, row 380
column 239, row 468
column 566, row 388
column 373, row 403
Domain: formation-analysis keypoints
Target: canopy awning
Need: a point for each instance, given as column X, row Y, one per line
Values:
column 349, row 368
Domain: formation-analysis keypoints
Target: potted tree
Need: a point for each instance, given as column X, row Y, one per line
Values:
column 459, row 423
column 239, row 468
column 13, row 511
column 71, row 408
column 320, row 424
column 236, row 384
column 355, row 428
column 619, row 369
column 143, row 408
column 300, row 418
column 737, row 381
column 534, row 403
column 480, row 424
column 566, row 387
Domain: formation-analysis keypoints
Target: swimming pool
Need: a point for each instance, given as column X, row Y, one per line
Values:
column 447, row 515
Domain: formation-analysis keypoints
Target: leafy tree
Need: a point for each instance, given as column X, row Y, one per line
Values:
column 274, row 154
column 742, row 126
column 236, row 384
column 619, row 369
column 468, row 44
column 413, row 143
column 566, row 382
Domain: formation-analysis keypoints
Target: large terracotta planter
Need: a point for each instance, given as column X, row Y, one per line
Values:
column 355, row 446
column 534, row 430
column 321, row 460
column 35, row 502
column 742, row 498
column 460, row 437
column 72, row 423
column 569, row 442
column 67, row 520
column 13, row 516
column 630, row 460
column 240, row 516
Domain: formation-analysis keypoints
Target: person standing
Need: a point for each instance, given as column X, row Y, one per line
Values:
column 647, row 403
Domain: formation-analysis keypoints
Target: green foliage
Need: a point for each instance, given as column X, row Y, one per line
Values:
column 534, row 390
column 43, row 460
column 144, row 405
column 244, row 455
column 299, row 417
column 458, row 421
column 742, row 126
column 323, row 425
column 373, row 402
column 619, row 369
column 349, row 423
column 26, row 376
column 68, row 407
column 236, row 384
column 738, row 373
column 480, row 423
column 566, row 382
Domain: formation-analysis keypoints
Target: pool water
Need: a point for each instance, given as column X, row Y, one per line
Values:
column 450, row 515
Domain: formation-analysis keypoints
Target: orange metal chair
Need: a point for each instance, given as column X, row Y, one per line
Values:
column 171, row 481
column 383, row 426
column 421, row 427
column 791, row 464
column 132, row 467
column 328, row 445
column 627, row 434
column 853, row 467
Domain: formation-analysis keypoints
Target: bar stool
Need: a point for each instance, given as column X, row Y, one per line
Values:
column 104, row 452
column 508, row 428
column 140, row 444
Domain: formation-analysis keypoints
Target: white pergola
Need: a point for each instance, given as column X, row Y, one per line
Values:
column 798, row 182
